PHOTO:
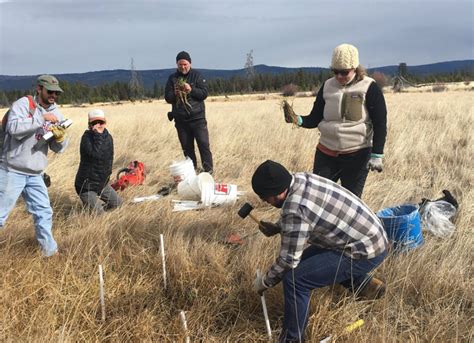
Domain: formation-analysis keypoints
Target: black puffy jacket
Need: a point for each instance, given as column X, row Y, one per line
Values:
column 97, row 155
column 195, row 98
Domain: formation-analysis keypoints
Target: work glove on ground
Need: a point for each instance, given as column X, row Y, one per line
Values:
column 259, row 285
column 59, row 133
column 375, row 162
column 269, row 229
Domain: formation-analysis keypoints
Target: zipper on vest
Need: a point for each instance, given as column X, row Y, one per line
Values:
column 343, row 106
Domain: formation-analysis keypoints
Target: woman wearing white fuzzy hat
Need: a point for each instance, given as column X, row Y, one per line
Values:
column 351, row 115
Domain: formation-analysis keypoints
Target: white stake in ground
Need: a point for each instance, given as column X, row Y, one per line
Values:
column 101, row 291
column 162, row 248
column 185, row 325
column 265, row 313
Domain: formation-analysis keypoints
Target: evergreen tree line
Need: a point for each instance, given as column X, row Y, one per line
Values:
column 458, row 76
column 79, row 93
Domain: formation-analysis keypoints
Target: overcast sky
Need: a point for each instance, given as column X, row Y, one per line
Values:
column 75, row 36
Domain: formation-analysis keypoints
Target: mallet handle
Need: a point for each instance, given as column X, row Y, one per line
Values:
column 255, row 219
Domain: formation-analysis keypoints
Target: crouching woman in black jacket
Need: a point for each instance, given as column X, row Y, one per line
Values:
column 95, row 168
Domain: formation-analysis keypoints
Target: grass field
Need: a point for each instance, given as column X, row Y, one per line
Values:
column 430, row 290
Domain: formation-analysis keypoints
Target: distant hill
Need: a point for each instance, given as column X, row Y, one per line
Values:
column 149, row 77
column 428, row 69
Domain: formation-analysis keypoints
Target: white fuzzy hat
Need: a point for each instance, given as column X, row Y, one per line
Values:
column 96, row 114
column 345, row 56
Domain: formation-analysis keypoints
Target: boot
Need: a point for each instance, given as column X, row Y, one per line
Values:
column 374, row 289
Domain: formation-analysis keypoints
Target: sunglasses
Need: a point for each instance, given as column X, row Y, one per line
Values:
column 342, row 72
column 53, row 92
column 95, row 122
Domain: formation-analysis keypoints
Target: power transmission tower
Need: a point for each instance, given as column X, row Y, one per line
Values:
column 135, row 85
column 249, row 70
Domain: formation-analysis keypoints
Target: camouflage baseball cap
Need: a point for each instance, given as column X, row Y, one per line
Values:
column 49, row 82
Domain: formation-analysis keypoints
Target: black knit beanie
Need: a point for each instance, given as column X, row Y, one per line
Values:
column 270, row 179
column 183, row 55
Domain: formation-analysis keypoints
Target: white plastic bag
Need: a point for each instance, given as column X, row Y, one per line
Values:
column 435, row 218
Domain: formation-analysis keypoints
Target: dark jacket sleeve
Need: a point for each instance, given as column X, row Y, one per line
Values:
column 377, row 110
column 199, row 90
column 314, row 118
column 170, row 97
column 91, row 146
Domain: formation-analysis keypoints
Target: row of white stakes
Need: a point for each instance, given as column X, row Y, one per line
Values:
column 181, row 313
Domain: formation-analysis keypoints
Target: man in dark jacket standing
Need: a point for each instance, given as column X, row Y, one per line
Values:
column 186, row 91
column 97, row 155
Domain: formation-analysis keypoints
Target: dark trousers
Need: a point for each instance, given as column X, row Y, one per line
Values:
column 319, row 268
column 351, row 169
column 195, row 130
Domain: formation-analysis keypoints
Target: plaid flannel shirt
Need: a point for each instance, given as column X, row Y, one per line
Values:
column 320, row 212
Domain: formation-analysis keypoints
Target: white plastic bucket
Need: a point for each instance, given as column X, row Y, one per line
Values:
column 213, row 194
column 181, row 170
column 190, row 188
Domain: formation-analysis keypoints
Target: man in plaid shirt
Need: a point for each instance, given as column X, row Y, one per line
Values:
column 328, row 236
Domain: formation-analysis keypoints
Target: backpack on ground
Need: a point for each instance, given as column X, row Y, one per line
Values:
column 31, row 112
column 132, row 175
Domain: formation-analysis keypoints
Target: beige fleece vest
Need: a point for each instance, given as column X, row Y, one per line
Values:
column 346, row 124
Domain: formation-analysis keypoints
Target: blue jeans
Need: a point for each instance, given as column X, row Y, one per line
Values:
column 35, row 194
column 319, row 268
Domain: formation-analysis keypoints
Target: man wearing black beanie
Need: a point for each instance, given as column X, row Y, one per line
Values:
column 183, row 55
column 186, row 91
column 328, row 236
column 270, row 181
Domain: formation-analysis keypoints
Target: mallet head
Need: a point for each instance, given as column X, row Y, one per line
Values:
column 245, row 210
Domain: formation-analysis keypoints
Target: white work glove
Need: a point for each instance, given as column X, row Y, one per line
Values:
column 375, row 162
column 259, row 285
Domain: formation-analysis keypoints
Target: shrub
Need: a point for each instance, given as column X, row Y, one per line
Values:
column 380, row 79
column 439, row 87
column 315, row 90
column 289, row 89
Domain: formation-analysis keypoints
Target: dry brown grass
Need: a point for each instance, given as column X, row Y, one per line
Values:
column 430, row 294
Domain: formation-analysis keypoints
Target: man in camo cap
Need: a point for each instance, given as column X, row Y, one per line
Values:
column 23, row 160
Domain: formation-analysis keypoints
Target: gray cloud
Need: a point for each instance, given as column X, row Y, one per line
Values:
column 79, row 36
